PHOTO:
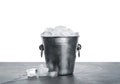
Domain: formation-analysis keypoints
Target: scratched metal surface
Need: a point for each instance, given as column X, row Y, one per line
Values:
column 84, row 73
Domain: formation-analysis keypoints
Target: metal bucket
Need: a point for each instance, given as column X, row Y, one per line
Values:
column 60, row 53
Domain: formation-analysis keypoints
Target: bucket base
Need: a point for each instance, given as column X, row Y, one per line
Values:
column 65, row 74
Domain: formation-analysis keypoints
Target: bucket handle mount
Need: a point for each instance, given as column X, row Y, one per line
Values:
column 78, row 49
column 41, row 47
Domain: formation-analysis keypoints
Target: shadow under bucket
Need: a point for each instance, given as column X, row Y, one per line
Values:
column 60, row 53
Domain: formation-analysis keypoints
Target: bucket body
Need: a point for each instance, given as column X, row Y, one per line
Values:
column 60, row 54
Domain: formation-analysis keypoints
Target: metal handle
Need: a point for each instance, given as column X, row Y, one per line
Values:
column 78, row 49
column 41, row 47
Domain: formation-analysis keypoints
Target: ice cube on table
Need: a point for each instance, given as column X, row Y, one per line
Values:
column 31, row 72
column 42, row 71
column 53, row 74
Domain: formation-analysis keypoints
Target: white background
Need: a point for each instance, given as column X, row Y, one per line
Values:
column 22, row 22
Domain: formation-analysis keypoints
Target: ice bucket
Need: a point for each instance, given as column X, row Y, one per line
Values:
column 60, row 53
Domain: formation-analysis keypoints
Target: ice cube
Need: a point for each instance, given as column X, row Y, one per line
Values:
column 53, row 74
column 59, row 31
column 60, row 27
column 46, row 33
column 42, row 70
column 31, row 72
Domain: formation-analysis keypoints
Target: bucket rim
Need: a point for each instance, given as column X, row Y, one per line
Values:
column 59, row 36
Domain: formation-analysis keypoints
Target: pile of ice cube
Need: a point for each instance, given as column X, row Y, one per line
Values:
column 41, row 71
column 59, row 31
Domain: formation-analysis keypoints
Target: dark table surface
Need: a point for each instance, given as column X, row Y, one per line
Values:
column 84, row 73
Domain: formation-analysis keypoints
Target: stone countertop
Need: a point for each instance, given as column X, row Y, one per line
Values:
column 84, row 73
